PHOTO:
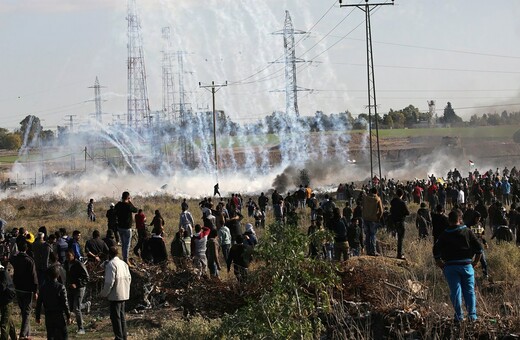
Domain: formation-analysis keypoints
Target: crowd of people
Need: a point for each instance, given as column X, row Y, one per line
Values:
column 50, row 267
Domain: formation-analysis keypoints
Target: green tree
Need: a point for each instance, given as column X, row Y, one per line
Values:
column 450, row 117
column 30, row 128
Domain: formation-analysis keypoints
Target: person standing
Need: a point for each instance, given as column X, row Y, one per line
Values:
column 240, row 257
column 77, row 279
column 112, row 220
column 90, row 211
column 117, row 290
column 124, row 210
column 398, row 213
column 224, row 237
column 157, row 221
column 140, row 225
column 26, row 285
column 7, row 295
column 372, row 213
column 53, row 297
column 186, row 221
column 456, row 252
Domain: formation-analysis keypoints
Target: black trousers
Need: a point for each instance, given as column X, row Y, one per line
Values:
column 56, row 326
column 117, row 316
column 399, row 228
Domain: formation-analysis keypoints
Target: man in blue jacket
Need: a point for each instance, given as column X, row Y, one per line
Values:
column 456, row 252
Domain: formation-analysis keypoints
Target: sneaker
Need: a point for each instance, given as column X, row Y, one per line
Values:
column 81, row 331
column 88, row 304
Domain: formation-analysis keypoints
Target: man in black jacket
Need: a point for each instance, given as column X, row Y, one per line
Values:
column 7, row 295
column 26, row 284
column 53, row 297
column 398, row 213
column 77, row 279
column 456, row 252
column 112, row 220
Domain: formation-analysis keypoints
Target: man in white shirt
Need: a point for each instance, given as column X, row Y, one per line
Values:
column 117, row 290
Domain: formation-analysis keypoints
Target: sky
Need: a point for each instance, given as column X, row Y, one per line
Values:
column 463, row 52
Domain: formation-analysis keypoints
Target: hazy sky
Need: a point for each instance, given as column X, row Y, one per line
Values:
column 465, row 52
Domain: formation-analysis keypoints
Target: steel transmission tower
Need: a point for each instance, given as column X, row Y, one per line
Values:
column 290, row 60
column 184, row 117
column 372, row 102
column 138, row 105
column 167, row 78
column 97, row 100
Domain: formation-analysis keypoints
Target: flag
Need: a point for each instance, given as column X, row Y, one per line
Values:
column 471, row 163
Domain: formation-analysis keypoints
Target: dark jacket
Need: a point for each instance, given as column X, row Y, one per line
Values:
column 96, row 246
column 354, row 235
column 24, row 278
column 41, row 252
column 240, row 255
column 339, row 229
column 158, row 248
column 112, row 218
column 457, row 244
column 124, row 212
column 76, row 274
column 439, row 224
column 398, row 210
column 53, row 297
column 7, row 292
column 178, row 247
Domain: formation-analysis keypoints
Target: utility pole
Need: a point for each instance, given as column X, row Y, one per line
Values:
column 372, row 102
column 214, row 89
column 71, row 122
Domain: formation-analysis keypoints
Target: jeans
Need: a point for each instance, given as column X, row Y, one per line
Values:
column 117, row 316
column 126, row 238
column 461, row 280
column 76, row 304
column 399, row 227
column 370, row 236
column 25, row 304
column 56, row 326
column 213, row 270
column 7, row 328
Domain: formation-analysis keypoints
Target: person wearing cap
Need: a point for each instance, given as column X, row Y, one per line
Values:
column 112, row 221
column 456, row 252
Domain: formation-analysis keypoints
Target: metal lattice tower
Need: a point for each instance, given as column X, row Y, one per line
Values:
column 97, row 100
column 183, row 118
column 290, row 60
column 138, row 105
column 167, row 78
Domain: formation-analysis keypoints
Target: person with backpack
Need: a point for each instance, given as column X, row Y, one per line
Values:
column 338, row 227
column 7, row 295
column 240, row 256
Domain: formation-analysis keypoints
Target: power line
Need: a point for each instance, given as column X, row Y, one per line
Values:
column 428, row 68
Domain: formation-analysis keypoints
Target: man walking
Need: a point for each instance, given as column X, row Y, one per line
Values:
column 117, row 290
column 124, row 210
column 398, row 213
column 456, row 252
